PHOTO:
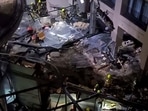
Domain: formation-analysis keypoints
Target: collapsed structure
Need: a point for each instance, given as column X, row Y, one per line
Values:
column 65, row 53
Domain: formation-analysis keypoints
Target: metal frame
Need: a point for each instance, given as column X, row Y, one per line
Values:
column 75, row 102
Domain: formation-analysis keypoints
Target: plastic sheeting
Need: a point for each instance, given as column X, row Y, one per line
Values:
column 60, row 33
column 25, row 22
column 55, row 36
column 99, row 41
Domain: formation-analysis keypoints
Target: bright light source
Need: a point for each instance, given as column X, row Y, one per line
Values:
column 82, row 1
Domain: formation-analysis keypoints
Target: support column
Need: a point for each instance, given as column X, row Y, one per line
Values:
column 144, row 52
column 116, row 16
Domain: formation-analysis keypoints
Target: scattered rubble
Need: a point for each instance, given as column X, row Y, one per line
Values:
column 90, row 61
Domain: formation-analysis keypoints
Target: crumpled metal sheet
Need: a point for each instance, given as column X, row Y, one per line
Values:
column 100, row 42
column 94, row 47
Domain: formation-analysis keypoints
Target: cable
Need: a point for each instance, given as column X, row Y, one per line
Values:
column 95, row 104
column 58, row 101
column 65, row 102
column 37, row 60
column 39, row 96
column 30, row 58
column 1, row 108
column 11, row 87
column 9, row 82
column 73, row 101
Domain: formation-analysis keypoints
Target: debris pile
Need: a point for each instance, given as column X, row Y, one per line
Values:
column 63, row 52
column 94, row 55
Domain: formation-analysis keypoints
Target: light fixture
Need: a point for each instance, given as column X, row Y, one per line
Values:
column 82, row 1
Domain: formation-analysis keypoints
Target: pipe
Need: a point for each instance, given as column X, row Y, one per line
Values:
column 124, row 102
column 93, row 14
column 71, row 98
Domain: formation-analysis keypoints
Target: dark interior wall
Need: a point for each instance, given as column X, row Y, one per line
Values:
column 143, row 81
column 123, row 36
column 124, row 6
column 129, row 37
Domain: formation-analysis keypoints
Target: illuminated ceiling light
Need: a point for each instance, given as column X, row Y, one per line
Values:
column 82, row 1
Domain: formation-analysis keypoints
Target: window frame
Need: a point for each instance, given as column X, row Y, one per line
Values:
column 137, row 21
column 109, row 3
column 142, row 11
